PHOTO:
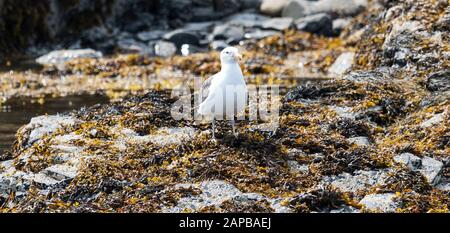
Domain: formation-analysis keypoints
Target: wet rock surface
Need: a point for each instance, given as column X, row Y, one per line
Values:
column 375, row 138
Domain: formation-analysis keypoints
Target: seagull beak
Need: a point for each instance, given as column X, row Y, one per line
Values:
column 238, row 56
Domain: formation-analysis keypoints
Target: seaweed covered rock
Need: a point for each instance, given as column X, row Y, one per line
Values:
column 373, row 139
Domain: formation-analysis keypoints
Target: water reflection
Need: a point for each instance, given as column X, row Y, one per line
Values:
column 17, row 112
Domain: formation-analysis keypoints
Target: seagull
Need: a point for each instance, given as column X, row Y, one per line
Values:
column 224, row 95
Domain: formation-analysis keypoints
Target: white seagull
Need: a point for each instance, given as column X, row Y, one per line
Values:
column 224, row 95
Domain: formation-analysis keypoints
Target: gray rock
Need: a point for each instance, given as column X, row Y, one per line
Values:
column 439, row 81
column 250, row 4
column 360, row 180
column 431, row 169
column 259, row 34
column 295, row 167
column 44, row 125
column 247, row 20
column 359, row 141
column 218, row 45
column 319, row 24
column 229, row 33
column 301, row 8
column 342, row 64
column 61, row 172
column 132, row 46
column 273, row 7
column 279, row 24
column 436, row 119
column 181, row 36
column 408, row 159
column 150, row 35
column 165, row 49
column 59, row 57
column 43, row 181
column 199, row 26
column 345, row 210
column 385, row 202
column 339, row 25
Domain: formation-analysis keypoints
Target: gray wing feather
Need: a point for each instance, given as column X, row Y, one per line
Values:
column 205, row 88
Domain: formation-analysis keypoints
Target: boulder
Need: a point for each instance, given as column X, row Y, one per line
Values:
column 259, row 34
column 384, row 202
column 165, row 49
column 150, row 35
column 439, row 81
column 408, row 159
column 229, row 33
column 181, row 36
column 301, row 8
column 360, row 141
column 279, row 24
column 273, row 7
column 319, row 24
column 340, row 24
column 343, row 64
column 246, row 19
column 430, row 168
column 59, row 57
column 436, row 119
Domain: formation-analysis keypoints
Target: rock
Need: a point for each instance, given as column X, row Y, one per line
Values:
column 342, row 64
column 431, row 169
column 344, row 112
column 359, row 141
column 339, row 25
column 165, row 49
column 214, row 192
column 408, row 159
column 228, row 32
column 43, row 125
column 361, row 180
column 218, row 45
column 181, row 36
column 162, row 137
column 61, row 172
column 150, row 35
column 444, row 22
column 295, row 167
column 199, row 26
column 439, row 81
column 43, row 181
column 277, row 205
column 380, row 202
column 248, row 20
column 59, row 57
column 319, row 24
column 301, row 8
column 260, row 34
column 345, row 209
column 218, row 10
column 397, row 45
column 279, row 24
column 273, row 7
column 132, row 46
column 436, row 119
column 250, row 4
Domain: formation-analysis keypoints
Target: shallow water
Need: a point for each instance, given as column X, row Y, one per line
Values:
column 18, row 112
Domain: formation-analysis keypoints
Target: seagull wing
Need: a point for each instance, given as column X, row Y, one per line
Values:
column 204, row 91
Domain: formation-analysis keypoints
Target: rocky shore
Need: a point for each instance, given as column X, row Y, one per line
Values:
column 370, row 134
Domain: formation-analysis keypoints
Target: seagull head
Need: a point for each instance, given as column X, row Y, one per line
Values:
column 230, row 55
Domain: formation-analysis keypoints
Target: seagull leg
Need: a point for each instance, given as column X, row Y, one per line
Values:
column 234, row 127
column 213, row 128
